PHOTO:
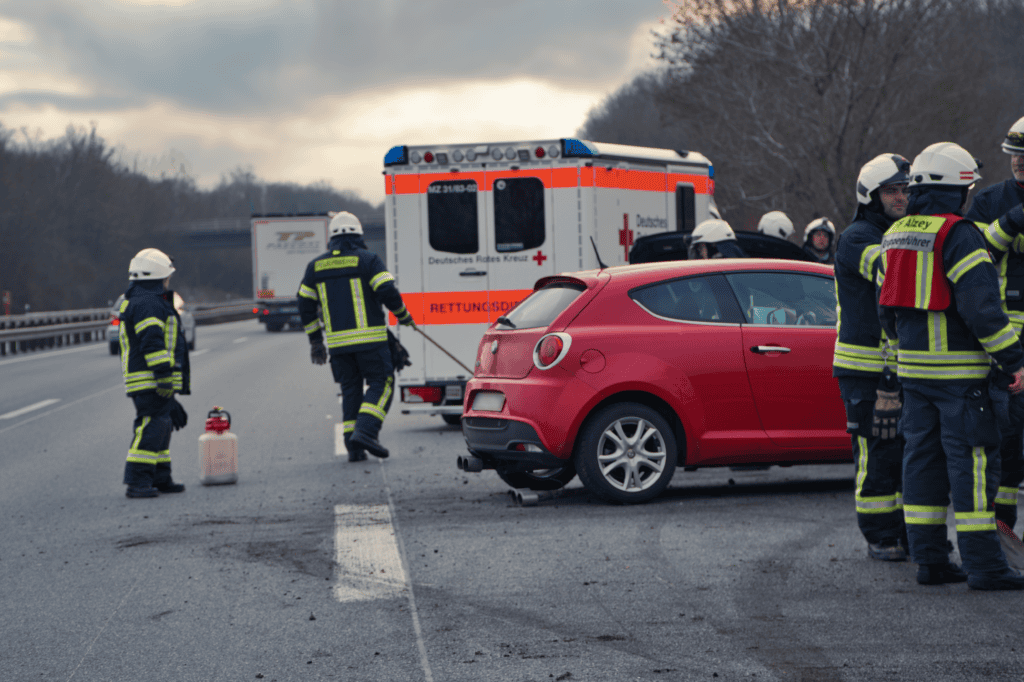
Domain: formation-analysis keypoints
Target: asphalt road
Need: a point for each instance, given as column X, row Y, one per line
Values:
column 312, row 568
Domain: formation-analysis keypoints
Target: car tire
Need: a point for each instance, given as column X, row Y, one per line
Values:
column 617, row 466
column 452, row 419
column 115, row 348
column 541, row 479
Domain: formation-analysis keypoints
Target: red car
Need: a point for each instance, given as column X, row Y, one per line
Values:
column 623, row 374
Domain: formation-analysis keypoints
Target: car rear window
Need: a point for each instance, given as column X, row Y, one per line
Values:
column 542, row 306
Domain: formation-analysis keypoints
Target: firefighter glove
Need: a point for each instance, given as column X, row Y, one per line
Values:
column 407, row 320
column 887, row 413
column 165, row 386
column 317, row 352
column 179, row 418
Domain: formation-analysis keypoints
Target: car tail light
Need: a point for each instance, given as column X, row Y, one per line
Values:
column 422, row 394
column 550, row 350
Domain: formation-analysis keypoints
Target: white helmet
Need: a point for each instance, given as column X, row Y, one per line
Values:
column 944, row 163
column 775, row 224
column 344, row 223
column 819, row 224
column 1014, row 142
column 150, row 264
column 884, row 169
column 711, row 231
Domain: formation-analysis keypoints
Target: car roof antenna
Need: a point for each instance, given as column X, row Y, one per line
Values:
column 599, row 261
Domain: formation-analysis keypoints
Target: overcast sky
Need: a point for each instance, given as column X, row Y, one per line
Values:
column 306, row 90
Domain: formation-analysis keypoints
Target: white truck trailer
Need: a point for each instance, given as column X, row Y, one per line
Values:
column 469, row 228
column 282, row 246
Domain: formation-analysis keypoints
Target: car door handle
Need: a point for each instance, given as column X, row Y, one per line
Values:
column 473, row 273
column 769, row 349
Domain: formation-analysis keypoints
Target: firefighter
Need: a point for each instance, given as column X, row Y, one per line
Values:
column 349, row 284
column 154, row 359
column 819, row 235
column 861, row 353
column 713, row 238
column 940, row 299
column 988, row 206
column 775, row 224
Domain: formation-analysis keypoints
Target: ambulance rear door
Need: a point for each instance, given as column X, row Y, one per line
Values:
column 453, row 306
column 689, row 189
column 519, row 224
column 631, row 202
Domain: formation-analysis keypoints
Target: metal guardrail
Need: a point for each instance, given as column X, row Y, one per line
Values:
column 41, row 331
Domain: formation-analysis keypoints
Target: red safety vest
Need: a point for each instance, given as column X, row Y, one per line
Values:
column 912, row 253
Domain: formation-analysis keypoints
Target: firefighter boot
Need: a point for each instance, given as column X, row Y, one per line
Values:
column 887, row 550
column 162, row 479
column 1008, row 580
column 940, row 574
column 369, row 444
column 139, row 479
column 355, row 453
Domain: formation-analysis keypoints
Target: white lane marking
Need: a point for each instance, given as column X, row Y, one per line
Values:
column 34, row 355
column 420, row 645
column 339, row 441
column 30, row 408
column 118, row 385
column 368, row 565
column 241, row 339
column 198, row 352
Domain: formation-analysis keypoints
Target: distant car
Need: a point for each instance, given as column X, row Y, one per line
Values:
column 623, row 374
column 188, row 324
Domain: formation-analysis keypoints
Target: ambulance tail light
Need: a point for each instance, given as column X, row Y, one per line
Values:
column 422, row 394
column 116, row 321
column 550, row 350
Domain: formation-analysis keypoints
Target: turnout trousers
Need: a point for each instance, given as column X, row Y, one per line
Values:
column 951, row 450
column 149, row 455
column 364, row 411
column 879, row 477
column 1011, row 458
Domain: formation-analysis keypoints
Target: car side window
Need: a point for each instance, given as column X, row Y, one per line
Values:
column 785, row 298
column 690, row 299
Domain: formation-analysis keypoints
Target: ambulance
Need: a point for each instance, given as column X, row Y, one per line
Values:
column 469, row 228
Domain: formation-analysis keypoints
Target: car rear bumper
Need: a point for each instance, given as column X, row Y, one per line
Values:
column 492, row 438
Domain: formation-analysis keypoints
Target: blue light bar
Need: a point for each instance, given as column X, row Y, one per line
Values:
column 573, row 147
column 397, row 156
column 711, row 172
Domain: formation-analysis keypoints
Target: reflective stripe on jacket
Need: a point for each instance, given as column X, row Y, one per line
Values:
column 956, row 344
column 861, row 347
column 349, row 284
column 152, row 341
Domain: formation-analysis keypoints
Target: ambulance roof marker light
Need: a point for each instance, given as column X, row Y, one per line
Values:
column 397, row 156
column 574, row 147
column 415, row 157
column 553, row 151
column 428, row 157
column 496, row 154
column 539, row 152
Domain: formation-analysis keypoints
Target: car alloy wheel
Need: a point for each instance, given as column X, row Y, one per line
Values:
column 627, row 453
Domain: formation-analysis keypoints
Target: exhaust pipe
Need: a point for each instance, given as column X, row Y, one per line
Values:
column 469, row 463
column 531, row 498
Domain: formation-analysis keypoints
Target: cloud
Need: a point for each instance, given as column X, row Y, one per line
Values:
column 306, row 90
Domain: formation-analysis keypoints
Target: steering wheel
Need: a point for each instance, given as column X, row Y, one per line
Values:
column 807, row 318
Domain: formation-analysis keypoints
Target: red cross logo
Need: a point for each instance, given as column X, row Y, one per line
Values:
column 625, row 236
column 540, row 258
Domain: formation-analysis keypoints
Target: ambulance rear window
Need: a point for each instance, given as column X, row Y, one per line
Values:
column 518, row 214
column 542, row 306
column 451, row 216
